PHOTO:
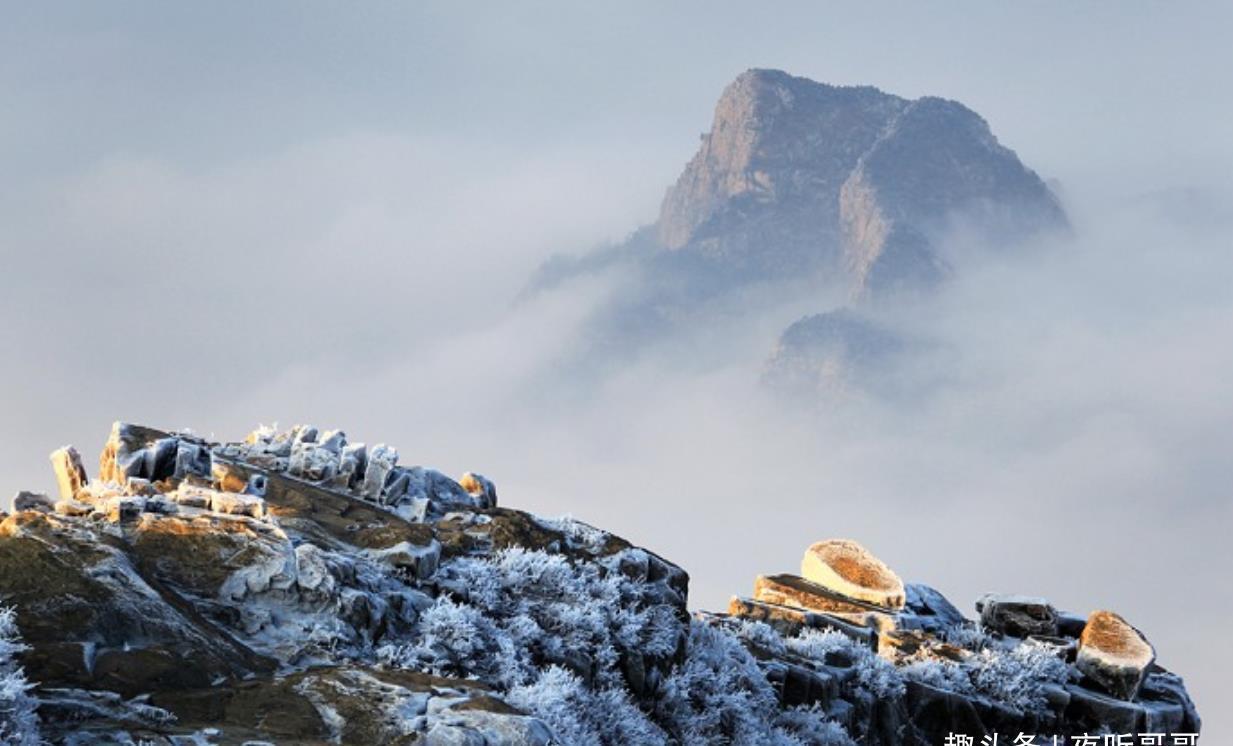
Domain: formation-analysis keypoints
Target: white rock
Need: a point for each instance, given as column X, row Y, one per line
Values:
column 381, row 461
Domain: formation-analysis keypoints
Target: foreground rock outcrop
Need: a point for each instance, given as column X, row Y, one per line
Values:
column 297, row 587
column 923, row 671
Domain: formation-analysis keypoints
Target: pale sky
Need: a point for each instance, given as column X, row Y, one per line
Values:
column 224, row 214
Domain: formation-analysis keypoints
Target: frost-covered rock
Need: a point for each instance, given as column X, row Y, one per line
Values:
column 381, row 462
column 239, row 591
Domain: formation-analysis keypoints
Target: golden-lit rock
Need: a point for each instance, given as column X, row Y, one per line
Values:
column 1114, row 654
column 795, row 591
column 74, row 508
column 789, row 620
column 479, row 486
column 228, row 478
column 847, row 568
column 70, row 474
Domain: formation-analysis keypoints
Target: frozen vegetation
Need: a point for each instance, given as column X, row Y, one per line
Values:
column 18, row 721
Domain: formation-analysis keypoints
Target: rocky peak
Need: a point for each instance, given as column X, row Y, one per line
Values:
column 797, row 176
column 779, row 149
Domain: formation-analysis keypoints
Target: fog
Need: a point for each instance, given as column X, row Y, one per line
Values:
column 218, row 222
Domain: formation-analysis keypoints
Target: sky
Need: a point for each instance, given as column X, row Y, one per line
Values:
column 225, row 215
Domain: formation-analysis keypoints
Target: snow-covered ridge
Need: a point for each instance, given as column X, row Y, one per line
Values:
column 295, row 586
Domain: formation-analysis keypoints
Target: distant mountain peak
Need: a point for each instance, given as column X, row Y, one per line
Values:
column 797, row 176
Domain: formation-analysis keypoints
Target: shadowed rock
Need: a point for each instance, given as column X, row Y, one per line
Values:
column 1018, row 616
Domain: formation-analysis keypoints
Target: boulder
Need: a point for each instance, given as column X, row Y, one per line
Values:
column 227, row 478
column 847, row 568
column 70, row 474
column 381, row 461
column 193, row 496
column 351, row 465
column 73, row 508
column 931, row 610
column 312, row 462
column 33, row 501
column 479, row 486
column 123, row 456
column 232, row 503
column 123, row 509
column 1114, row 655
column 417, row 561
column 789, row 621
column 1017, row 616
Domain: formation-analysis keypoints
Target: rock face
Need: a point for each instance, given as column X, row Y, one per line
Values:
column 294, row 587
column 836, row 355
column 797, row 176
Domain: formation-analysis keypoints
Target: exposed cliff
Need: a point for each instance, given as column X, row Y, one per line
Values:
column 803, row 191
column 297, row 587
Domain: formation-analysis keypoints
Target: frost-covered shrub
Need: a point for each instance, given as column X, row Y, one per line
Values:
column 583, row 716
column 873, row 673
column 720, row 695
column 1015, row 674
column 1019, row 676
column 969, row 637
column 18, row 721
column 809, row 725
column 520, row 610
column 952, row 677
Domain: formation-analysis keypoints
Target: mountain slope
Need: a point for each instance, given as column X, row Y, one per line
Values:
column 297, row 587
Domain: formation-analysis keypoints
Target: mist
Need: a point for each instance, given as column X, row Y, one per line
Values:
column 1072, row 440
